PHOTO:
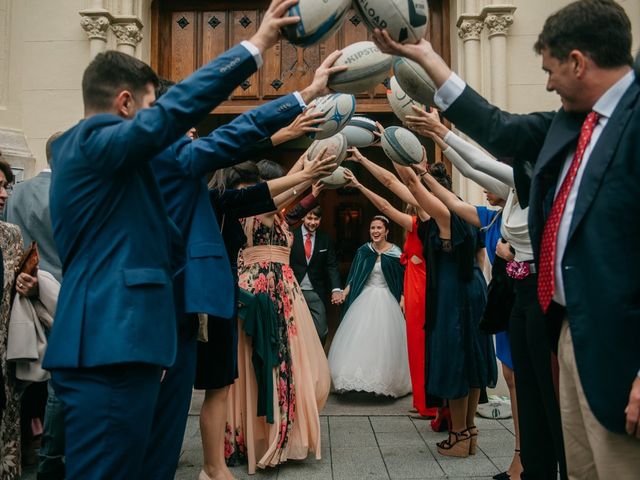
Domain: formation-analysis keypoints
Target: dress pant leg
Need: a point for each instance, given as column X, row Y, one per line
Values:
column 593, row 452
column 318, row 313
column 51, row 453
column 172, row 408
column 108, row 414
column 531, row 355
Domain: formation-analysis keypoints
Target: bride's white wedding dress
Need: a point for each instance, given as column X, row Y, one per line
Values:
column 369, row 350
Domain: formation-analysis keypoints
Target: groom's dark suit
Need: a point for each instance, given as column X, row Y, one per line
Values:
column 602, row 257
column 322, row 270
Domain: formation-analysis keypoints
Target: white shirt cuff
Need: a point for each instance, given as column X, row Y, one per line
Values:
column 449, row 92
column 336, row 290
column 301, row 101
column 253, row 50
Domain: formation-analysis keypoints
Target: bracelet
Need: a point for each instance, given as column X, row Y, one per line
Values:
column 423, row 173
column 293, row 190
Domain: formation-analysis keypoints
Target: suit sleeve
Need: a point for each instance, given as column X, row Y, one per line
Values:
column 234, row 142
column 245, row 202
column 126, row 144
column 297, row 212
column 332, row 266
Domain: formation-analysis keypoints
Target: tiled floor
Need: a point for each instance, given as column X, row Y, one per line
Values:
column 371, row 438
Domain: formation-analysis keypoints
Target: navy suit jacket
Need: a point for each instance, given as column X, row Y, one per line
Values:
column 602, row 257
column 112, row 230
column 207, row 285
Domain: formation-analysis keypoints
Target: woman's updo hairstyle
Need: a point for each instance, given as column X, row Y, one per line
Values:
column 439, row 172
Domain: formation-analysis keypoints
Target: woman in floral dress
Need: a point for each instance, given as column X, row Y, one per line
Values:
column 301, row 381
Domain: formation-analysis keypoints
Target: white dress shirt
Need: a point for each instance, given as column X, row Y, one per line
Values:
column 606, row 104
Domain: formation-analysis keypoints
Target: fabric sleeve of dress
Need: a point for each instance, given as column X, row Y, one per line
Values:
column 244, row 202
column 480, row 161
column 297, row 212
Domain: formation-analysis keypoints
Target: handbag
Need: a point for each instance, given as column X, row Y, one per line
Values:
column 28, row 264
column 500, row 299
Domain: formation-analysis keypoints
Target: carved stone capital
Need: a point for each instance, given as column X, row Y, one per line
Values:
column 128, row 30
column 470, row 27
column 95, row 24
column 498, row 18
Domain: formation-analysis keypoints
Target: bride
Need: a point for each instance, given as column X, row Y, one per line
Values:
column 369, row 350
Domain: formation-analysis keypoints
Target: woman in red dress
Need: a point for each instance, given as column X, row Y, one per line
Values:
column 415, row 279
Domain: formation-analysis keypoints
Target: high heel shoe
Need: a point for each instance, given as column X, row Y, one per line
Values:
column 203, row 476
column 458, row 448
column 505, row 475
column 442, row 422
column 473, row 443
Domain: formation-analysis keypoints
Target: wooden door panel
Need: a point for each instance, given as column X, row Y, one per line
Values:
column 243, row 24
column 214, row 34
column 183, row 59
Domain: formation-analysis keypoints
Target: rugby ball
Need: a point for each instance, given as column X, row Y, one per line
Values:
column 338, row 108
column 405, row 20
column 335, row 180
column 368, row 67
column 414, row 81
column 400, row 102
column 360, row 132
column 336, row 145
column 318, row 20
column 401, row 146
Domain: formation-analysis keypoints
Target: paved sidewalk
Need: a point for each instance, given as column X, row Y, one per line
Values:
column 365, row 437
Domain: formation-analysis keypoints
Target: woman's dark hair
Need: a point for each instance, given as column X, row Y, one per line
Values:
column 381, row 218
column 270, row 170
column 6, row 169
column 109, row 74
column 598, row 28
column 439, row 172
column 231, row 177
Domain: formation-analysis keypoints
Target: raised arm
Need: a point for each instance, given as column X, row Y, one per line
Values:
column 429, row 202
column 385, row 207
column 464, row 210
column 388, row 179
column 123, row 145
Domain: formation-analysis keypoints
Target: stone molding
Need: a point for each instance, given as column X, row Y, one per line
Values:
column 95, row 23
column 470, row 27
column 16, row 151
column 128, row 30
column 498, row 18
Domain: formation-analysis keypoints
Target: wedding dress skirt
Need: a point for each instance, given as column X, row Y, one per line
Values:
column 369, row 350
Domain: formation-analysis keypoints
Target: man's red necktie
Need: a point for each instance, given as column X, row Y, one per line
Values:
column 546, row 268
column 307, row 246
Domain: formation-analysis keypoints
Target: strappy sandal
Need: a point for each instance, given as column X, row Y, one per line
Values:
column 505, row 475
column 473, row 444
column 459, row 447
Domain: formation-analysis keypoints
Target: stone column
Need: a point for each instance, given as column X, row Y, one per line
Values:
column 128, row 32
column 498, row 19
column 470, row 30
column 95, row 22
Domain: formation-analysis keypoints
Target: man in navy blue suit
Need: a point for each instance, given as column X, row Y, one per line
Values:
column 115, row 327
column 576, row 169
column 206, row 284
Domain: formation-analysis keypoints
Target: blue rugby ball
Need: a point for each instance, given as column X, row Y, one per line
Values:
column 318, row 20
column 338, row 108
column 401, row 146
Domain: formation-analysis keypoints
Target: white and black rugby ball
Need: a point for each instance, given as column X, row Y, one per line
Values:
column 368, row 67
column 318, row 20
column 338, row 108
column 405, row 20
column 414, row 81
column 335, row 145
column 360, row 132
column 401, row 146
column 335, row 180
column 400, row 102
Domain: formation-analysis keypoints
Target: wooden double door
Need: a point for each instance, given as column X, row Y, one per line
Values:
column 189, row 33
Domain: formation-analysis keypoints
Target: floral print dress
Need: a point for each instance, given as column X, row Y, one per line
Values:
column 11, row 245
column 301, row 380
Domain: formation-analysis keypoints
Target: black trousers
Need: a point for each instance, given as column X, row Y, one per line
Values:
column 542, row 450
